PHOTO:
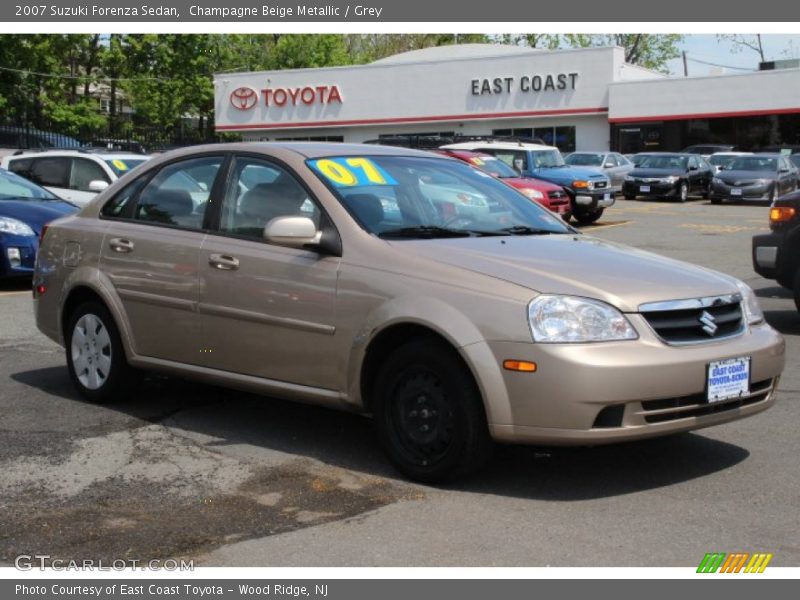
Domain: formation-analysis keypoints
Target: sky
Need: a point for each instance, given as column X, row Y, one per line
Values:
column 708, row 48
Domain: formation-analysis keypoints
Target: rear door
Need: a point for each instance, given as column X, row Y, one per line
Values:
column 150, row 252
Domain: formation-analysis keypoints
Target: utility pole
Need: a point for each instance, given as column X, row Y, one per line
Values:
column 685, row 68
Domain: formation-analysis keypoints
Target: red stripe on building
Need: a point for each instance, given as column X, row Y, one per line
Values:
column 470, row 117
column 719, row 115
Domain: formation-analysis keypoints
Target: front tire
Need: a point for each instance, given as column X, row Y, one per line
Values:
column 429, row 413
column 630, row 197
column 95, row 356
column 683, row 192
column 587, row 218
column 796, row 289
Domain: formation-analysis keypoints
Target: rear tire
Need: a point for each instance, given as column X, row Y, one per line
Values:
column 630, row 197
column 95, row 355
column 429, row 414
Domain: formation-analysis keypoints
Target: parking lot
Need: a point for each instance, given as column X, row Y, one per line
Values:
column 229, row 479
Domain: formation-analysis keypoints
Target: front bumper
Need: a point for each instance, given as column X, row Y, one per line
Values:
column 584, row 394
column 768, row 255
column 723, row 191
column 652, row 189
column 10, row 247
column 592, row 200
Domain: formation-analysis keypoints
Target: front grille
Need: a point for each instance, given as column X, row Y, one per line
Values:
column 696, row 405
column 600, row 184
column 705, row 322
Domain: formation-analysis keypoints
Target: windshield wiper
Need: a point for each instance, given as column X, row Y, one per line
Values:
column 525, row 230
column 429, row 231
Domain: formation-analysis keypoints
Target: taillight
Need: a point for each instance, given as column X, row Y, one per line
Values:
column 781, row 214
column 41, row 235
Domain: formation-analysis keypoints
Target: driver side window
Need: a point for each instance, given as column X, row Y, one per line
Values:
column 258, row 192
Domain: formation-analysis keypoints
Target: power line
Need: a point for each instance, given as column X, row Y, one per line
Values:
column 82, row 77
column 703, row 62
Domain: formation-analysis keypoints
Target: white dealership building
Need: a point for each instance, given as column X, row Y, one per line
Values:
column 579, row 99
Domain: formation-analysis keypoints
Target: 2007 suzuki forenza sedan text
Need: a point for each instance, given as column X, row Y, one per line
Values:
column 405, row 285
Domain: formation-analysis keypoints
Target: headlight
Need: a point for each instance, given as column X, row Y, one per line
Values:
column 629, row 178
column 763, row 181
column 573, row 319
column 580, row 184
column 15, row 227
column 752, row 311
column 532, row 194
column 670, row 179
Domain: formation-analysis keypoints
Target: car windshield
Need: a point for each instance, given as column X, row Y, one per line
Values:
column 754, row 163
column 15, row 187
column 544, row 159
column 657, row 161
column 493, row 165
column 722, row 160
column 416, row 197
column 585, row 160
column 120, row 166
column 795, row 158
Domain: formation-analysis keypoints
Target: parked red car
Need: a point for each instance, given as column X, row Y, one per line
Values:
column 547, row 194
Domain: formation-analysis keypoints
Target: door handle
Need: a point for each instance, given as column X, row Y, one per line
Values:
column 120, row 245
column 223, row 262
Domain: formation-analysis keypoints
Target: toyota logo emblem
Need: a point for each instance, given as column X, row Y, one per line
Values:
column 244, row 98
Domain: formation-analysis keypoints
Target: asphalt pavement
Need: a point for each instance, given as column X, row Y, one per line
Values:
column 228, row 479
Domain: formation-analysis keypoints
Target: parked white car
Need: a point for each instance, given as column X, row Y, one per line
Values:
column 74, row 175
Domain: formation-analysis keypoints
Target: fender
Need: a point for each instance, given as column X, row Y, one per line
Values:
column 93, row 278
column 441, row 318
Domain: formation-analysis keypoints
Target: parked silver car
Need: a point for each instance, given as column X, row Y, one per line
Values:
column 613, row 164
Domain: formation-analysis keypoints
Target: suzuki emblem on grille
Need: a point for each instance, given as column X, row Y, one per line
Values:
column 709, row 325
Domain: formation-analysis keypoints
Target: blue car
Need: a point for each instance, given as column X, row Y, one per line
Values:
column 24, row 209
column 589, row 191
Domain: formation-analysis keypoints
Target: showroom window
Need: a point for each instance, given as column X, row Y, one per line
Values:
column 562, row 138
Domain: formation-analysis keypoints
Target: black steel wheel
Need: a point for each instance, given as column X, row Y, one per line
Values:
column 429, row 414
column 587, row 218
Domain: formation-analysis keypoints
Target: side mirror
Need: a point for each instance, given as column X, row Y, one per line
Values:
column 784, row 170
column 610, row 165
column 518, row 165
column 693, row 168
column 98, row 185
column 294, row 232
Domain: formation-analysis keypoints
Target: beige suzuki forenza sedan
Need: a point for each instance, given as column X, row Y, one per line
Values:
column 404, row 285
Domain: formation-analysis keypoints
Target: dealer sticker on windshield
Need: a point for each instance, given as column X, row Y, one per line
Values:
column 351, row 171
column 728, row 379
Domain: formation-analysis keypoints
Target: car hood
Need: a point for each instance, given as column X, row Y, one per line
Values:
column 36, row 213
column 577, row 265
column 639, row 172
column 732, row 176
column 530, row 182
column 567, row 175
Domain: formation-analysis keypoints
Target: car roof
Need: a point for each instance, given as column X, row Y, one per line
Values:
column 102, row 154
column 500, row 145
column 304, row 149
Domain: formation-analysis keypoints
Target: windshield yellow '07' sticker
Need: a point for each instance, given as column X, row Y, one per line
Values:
column 351, row 171
column 119, row 164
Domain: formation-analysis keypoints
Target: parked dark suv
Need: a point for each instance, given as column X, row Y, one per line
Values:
column 776, row 255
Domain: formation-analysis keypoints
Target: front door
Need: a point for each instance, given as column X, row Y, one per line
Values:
column 267, row 311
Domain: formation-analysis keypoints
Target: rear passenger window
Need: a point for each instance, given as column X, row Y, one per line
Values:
column 174, row 197
column 51, row 171
column 118, row 207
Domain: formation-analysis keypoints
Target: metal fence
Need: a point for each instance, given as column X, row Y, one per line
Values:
column 126, row 137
